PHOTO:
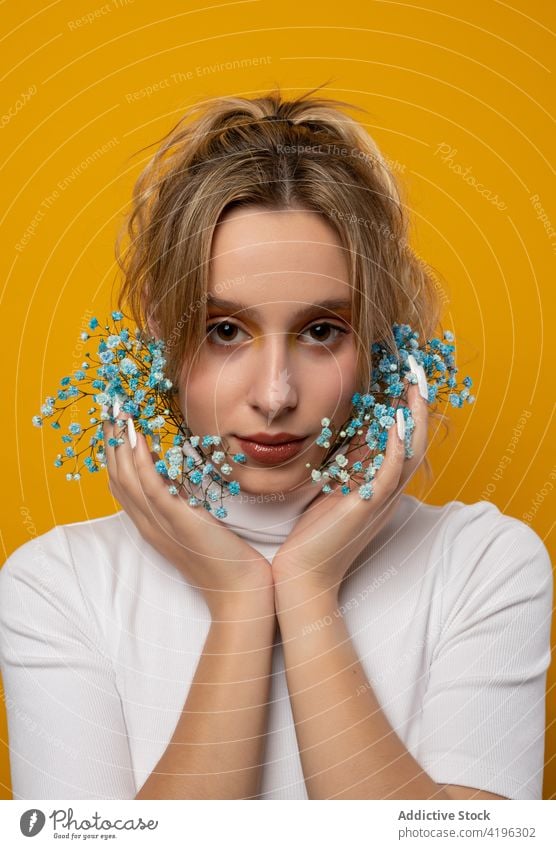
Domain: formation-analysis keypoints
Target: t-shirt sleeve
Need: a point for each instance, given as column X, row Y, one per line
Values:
column 66, row 726
column 483, row 713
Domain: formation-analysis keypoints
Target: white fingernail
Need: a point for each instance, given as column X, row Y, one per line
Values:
column 412, row 363
column 419, row 373
column 400, row 422
column 117, row 408
column 131, row 433
column 422, row 382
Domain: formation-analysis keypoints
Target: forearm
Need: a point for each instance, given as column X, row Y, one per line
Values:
column 216, row 750
column 348, row 748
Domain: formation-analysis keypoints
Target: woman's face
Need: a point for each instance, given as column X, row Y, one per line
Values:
column 275, row 359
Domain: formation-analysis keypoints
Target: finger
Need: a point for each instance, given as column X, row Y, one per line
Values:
column 122, row 465
column 124, row 481
column 166, row 509
column 130, row 473
column 358, row 450
column 184, row 524
column 386, row 481
column 108, row 433
column 419, row 436
column 110, row 452
column 162, row 519
column 420, row 414
column 122, row 453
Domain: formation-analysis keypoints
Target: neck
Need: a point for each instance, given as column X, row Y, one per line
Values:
column 268, row 517
column 262, row 517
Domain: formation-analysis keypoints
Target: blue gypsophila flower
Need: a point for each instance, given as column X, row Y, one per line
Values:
column 131, row 368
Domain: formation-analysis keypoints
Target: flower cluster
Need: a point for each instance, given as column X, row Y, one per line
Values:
column 438, row 362
column 129, row 368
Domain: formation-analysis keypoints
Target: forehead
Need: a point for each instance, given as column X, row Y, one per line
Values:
column 279, row 253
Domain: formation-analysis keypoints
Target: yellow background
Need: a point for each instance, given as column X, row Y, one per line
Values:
column 82, row 94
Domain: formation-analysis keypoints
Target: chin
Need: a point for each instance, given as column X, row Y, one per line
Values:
column 280, row 479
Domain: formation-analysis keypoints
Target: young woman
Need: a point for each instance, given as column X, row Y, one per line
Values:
column 308, row 645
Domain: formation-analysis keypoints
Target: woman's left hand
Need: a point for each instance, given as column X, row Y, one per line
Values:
column 335, row 528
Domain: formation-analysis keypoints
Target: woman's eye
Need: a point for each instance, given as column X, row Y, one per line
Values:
column 227, row 329
column 322, row 329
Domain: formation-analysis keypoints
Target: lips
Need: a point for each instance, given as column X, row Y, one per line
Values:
column 263, row 438
column 271, row 453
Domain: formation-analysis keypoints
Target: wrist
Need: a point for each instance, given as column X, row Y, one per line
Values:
column 253, row 608
column 304, row 600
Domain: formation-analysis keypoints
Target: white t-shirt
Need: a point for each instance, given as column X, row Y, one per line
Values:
column 449, row 610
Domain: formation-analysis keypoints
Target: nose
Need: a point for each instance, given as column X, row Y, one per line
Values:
column 272, row 384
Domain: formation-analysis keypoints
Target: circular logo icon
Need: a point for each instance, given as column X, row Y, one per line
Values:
column 32, row 822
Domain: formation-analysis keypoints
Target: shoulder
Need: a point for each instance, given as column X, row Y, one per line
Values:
column 483, row 533
column 55, row 547
column 476, row 552
column 489, row 559
column 473, row 528
column 39, row 561
column 455, row 516
column 448, row 519
column 50, row 570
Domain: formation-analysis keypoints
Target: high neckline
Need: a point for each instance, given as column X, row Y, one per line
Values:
column 261, row 517
column 268, row 517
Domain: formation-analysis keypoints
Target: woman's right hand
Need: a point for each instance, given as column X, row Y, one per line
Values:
column 232, row 576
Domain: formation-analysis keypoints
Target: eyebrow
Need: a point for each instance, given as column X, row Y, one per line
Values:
column 338, row 304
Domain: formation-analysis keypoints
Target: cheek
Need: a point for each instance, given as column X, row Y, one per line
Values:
column 195, row 392
column 328, row 389
column 205, row 393
column 340, row 377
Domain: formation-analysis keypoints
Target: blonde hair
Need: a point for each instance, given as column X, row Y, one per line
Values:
column 278, row 154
